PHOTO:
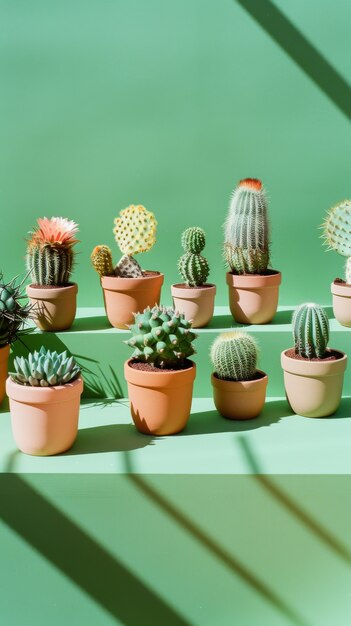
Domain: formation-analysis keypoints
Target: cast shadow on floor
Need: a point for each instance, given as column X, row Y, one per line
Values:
column 109, row 438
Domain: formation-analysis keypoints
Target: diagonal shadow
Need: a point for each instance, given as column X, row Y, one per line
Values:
column 324, row 535
column 79, row 557
column 295, row 44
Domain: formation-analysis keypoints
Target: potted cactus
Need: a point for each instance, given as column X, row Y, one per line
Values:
column 313, row 373
column 127, row 288
column 253, row 288
column 194, row 297
column 44, row 394
column 160, row 375
column 239, row 388
column 337, row 236
column 50, row 258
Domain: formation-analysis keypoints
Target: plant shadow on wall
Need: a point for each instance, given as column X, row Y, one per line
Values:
column 93, row 322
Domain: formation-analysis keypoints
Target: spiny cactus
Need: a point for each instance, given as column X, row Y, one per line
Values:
column 45, row 369
column 135, row 231
column 13, row 313
column 127, row 267
column 234, row 356
column 50, row 252
column 161, row 337
column 246, row 246
column 337, row 232
column 311, row 330
column 192, row 266
column 101, row 258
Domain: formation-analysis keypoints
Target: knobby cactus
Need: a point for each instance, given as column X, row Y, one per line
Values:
column 234, row 356
column 337, row 232
column 192, row 266
column 246, row 246
column 101, row 258
column 45, row 369
column 50, row 252
column 162, row 337
column 311, row 330
column 13, row 312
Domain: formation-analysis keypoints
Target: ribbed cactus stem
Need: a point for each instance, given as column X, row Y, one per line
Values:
column 101, row 258
column 192, row 266
column 234, row 356
column 311, row 330
column 348, row 271
column 50, row 265
column 194, row 240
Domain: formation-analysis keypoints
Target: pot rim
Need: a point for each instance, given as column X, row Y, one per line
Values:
column 42, row 292
column 313, row 369
column 239, row 386
column 254, row 281
column 117, row 283
column 43, row 395
column 169, row 378
column 342, row 290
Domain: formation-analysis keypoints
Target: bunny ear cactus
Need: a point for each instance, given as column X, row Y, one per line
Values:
column 246, row 246
column 337, row 232
column 135, row 232
column 45, row 369
column 192, row 266
column 13, row 313
column 234, row 356
column 311, row 331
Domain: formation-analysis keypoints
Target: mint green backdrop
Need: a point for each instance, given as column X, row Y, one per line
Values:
column 106, row 103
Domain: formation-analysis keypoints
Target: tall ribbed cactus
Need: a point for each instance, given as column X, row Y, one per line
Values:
column 13, row 313
column 234, row 356
column 101, row 258
column 337, row 232
column 192, row 266
column 50, row 251
column 135, row 232
column 311, row 330
column 246, row 246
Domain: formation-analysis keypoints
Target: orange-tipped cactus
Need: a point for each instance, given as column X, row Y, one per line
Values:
column 101, row 258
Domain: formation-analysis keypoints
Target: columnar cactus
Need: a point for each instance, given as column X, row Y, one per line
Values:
column 162, row 337
column 50, row 251
column 246, row 246
column 13, row 313
column 101, row 258
column 45, row 369
column 234, row 356
column 311, row 330
column 337, row 232
column 192, row 266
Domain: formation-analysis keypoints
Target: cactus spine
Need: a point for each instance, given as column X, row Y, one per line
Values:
column 13, row 314
column 50, row 252
column 234, row 356
column 45, row 369
column 246, row 246
column 192, row 266
column 311, row 330
column 337, row 232
column 101, row 258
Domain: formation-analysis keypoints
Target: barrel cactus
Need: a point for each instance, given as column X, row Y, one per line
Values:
column 101, row 258
column 337, row 232
column 44, row 368
column 192, row 266
column 234, row 356
column 50, row 252
column 311, row 330
column 13, row 311
column 162, row 337
column 246, row 246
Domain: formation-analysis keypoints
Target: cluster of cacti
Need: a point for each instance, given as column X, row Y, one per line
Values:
column 192, row 266
column 311, row 330
column 161, row 337
column 246, row 246
column 234, row 356
column 337, row 232
column 45, row 369
column 13, row 313
column 50, row 253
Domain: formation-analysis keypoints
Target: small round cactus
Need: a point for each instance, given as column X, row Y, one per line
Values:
column 234, row 356
column 337, row 232
column 193, row 240
column 192, row 266
column 101, row 258
column 45, row 369
column 311, row 330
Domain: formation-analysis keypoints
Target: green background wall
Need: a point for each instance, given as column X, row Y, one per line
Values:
column 106, row 103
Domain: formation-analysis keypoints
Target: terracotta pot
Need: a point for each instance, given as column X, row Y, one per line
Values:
column 253, row 299
column 160, row 402
column 44, row 419
column 197, row 303
column 4, row 358
column 125, row 296
column 55, row 307
column 241, row 400
column 313, row 388
column 342, row 303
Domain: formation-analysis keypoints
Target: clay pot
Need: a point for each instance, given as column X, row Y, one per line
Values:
column 125, row 296
column 4, row 358
column 313, row 388
column 239, row 400
column 342, row 303
column 160, row 402
column 44, row 419
column 197, row 303
column 54, row 307
column 253, row 298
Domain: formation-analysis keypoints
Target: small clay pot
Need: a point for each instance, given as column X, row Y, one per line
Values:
column 125, row 296
column 197, row 303
column 4, row 358
column 44, row 419
column 54, row 307
column 253, row 298
column 160, row 402
column 342, row 302
column 240, row 400
column 313, row 388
